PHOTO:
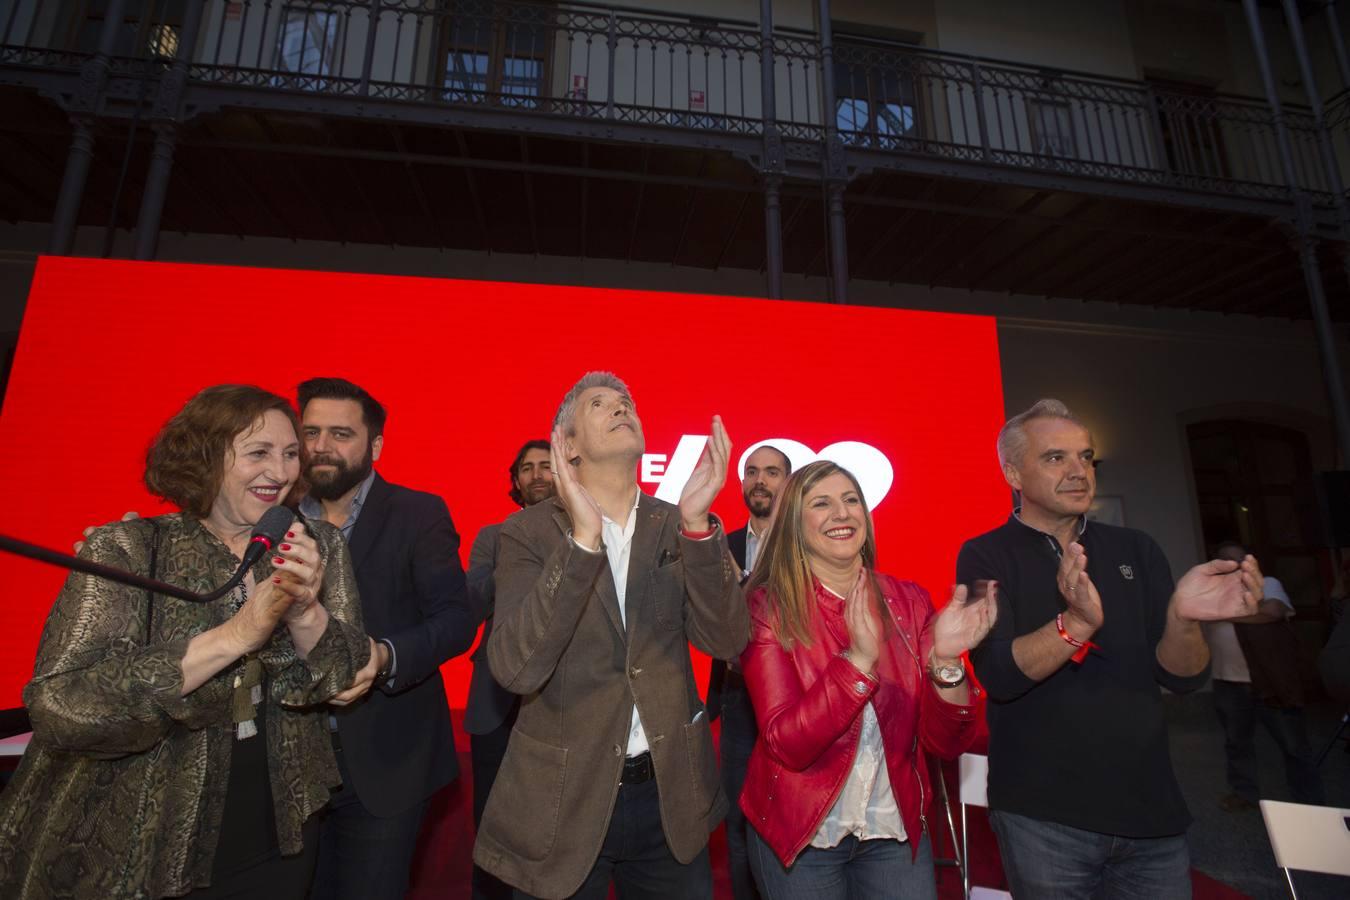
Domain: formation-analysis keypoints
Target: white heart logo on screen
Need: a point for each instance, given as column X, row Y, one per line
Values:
column 868, row 464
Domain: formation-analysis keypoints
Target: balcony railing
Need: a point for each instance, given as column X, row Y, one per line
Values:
column 578, row 60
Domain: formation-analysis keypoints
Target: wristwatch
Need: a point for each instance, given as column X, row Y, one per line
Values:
column 948, row 676
column 383, row 674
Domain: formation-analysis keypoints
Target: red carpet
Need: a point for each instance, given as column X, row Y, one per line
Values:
column 441, row 870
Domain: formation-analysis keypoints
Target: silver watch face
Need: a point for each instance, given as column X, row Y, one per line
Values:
column 949, row 674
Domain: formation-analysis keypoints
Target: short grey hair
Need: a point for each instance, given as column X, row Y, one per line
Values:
column 1012, row 437
column 567, row 410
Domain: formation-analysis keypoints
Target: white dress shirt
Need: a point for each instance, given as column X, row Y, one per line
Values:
column 618, row 540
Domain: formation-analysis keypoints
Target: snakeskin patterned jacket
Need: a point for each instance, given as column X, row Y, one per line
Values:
column 121, row 792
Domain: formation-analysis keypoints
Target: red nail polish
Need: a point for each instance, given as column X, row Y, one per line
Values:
column 276, row 579
column 285, row 546
column 278, row 561
column 290, row 534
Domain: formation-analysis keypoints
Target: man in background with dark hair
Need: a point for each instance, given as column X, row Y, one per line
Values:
column 491, row 709
column 1256, row 678
column 391, row 728
column 766, row 469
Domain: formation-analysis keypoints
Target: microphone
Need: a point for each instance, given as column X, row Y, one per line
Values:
column 271, row 528
column 269, row 531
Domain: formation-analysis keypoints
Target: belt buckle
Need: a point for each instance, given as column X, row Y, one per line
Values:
column 639, row 766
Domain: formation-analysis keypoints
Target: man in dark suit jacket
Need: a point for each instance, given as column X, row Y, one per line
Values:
column 491, row 710
column 610, row 774
column 766, row 470
column 392, row 732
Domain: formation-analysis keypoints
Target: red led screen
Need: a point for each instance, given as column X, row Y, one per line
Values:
column 468, row 371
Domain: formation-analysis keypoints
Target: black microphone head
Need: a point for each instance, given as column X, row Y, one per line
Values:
column 272, row 527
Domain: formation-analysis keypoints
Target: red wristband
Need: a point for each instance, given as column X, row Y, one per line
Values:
column 1083, row 646
column 698, row 535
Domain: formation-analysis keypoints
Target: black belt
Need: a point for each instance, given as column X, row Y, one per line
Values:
column 637, row 769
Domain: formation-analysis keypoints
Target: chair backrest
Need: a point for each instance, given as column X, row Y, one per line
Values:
column 984, row 893
column 974, row 779
column 1307, row 838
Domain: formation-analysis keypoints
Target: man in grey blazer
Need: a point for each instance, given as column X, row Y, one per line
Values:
column 491, row 710
column 610, row 774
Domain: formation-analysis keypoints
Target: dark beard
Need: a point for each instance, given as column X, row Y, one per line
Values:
column 759, row 506
column 528, row 494
column 343, row 479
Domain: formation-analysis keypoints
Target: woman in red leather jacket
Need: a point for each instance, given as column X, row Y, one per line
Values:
column 853, row 679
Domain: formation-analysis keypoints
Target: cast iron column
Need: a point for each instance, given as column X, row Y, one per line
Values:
column 771, row 164
column 1305, row 69
column 1306, row 243
column 1338, row 44
column 168, row 106
column 93, row 79
column 834, row 171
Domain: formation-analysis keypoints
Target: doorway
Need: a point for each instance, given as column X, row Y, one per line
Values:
column 1255, row 483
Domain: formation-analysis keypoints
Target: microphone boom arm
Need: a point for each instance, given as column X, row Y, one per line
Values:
column 66, row 561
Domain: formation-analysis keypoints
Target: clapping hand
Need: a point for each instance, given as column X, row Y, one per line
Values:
column 706, row 481
column 586, row 515
column 365, row 679
column 264, row 608
column 864, row 630
column 299, row 571
column 1078, row 591
column 1219, row 589
column 964, row 622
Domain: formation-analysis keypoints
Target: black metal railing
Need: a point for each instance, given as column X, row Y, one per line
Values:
column 1337, row 119
column 894, row 97
column 664, row 69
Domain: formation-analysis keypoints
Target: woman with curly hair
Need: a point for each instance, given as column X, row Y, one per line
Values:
column 181, row 748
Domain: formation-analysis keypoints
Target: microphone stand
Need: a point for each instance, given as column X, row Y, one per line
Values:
column 66, row 561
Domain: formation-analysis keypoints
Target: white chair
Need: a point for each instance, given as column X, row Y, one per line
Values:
column 1309, row 838
column 974, row 770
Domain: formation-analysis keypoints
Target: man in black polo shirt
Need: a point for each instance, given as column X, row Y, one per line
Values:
column 1081, row 789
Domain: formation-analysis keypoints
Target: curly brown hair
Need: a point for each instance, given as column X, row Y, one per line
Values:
column 186, row 463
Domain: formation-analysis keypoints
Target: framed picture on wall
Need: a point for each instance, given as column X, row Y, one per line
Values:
column 1109, row 509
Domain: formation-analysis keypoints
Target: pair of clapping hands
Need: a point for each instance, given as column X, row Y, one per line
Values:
column 703, row 486
column 1214, row 591
column 960, row 626
column 289, row 597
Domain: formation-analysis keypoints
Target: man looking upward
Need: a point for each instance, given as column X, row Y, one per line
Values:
column 610, row 774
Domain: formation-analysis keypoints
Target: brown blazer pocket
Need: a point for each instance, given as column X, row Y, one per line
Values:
column 522, row 810
column 703, row 773
column 667, row 593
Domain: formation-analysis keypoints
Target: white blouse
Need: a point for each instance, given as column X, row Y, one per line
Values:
column 865, row 807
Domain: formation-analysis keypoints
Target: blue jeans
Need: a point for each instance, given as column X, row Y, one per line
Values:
column 854, row 870
column 1239, row 711
column 738, row 740
column 1048, row 861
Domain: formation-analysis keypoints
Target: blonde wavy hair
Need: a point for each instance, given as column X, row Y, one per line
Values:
column 784, row 568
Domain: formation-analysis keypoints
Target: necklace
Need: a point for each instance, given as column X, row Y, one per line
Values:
column 248, row 677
